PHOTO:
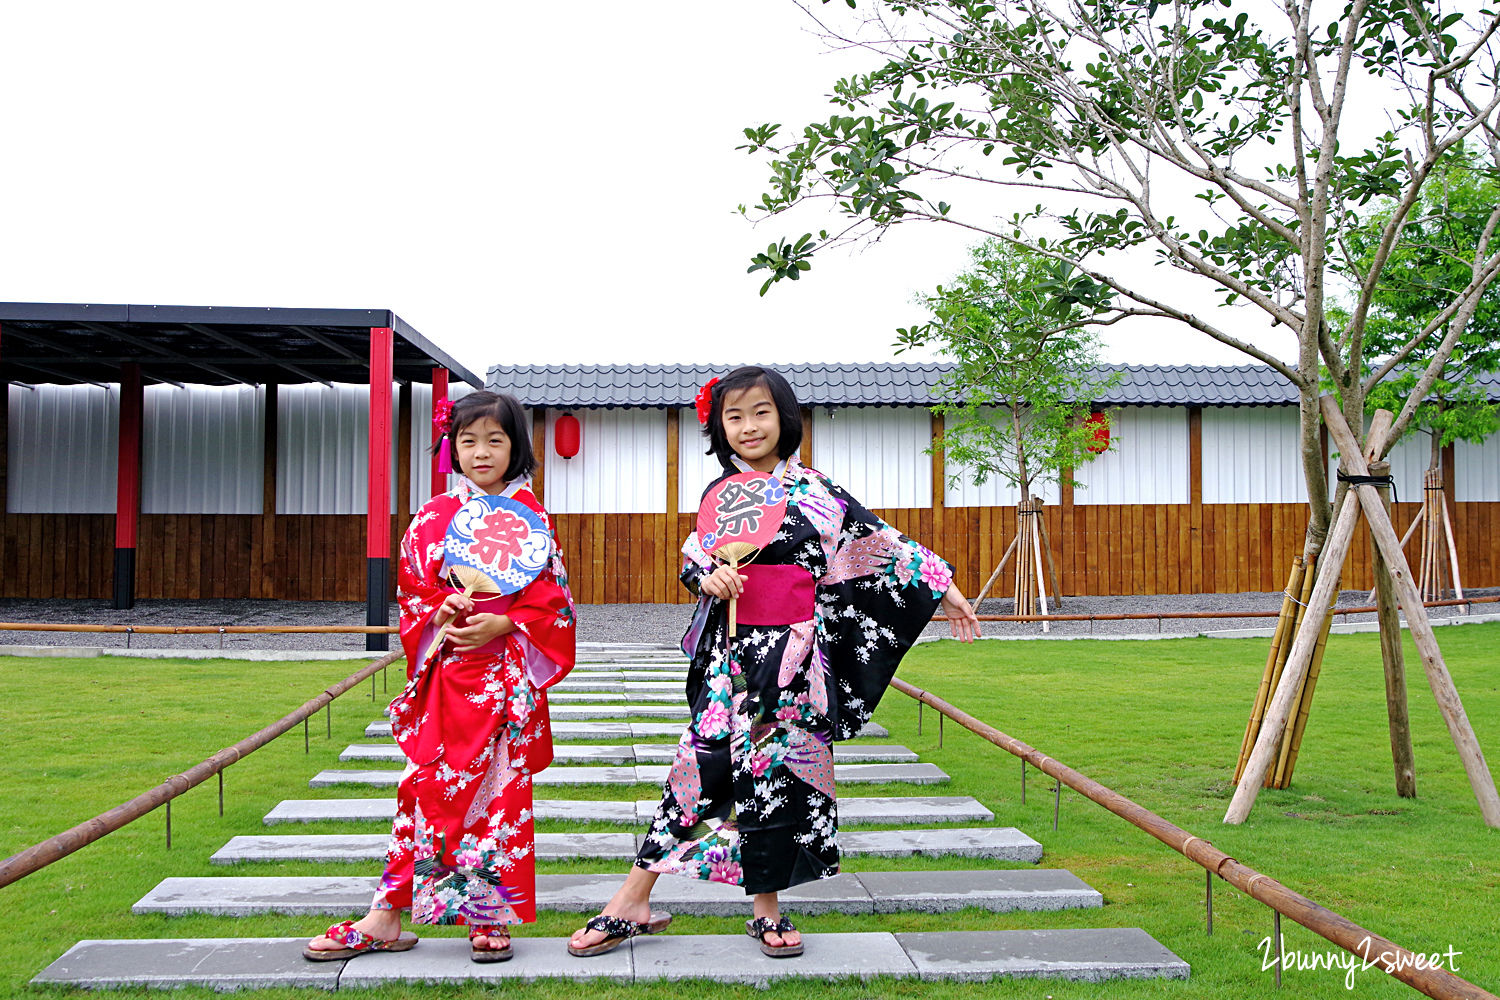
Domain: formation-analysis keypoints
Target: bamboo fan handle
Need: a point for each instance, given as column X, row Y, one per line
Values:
column 443, row 629
column 733, row 564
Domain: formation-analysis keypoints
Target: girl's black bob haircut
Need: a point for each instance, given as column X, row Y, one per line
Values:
column 788, row 412
column 505, row 410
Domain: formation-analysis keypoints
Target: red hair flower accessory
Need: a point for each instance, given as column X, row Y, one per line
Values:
column 442, row 415
column 705, row 399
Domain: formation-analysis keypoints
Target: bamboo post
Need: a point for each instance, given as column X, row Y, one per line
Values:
column 1438, row 677
column 1284, row 624
column 1292, row 742
column 1458, row 587
column 1392, row 660
column 1036, row 544
column 1041, row 524
column 1330, row 567
column 1024, row 604
column 998, row 570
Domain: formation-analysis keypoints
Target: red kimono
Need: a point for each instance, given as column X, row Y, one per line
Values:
column 474, row 728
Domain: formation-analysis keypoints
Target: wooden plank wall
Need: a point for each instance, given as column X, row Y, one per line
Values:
column 634, row 558
column 302, row 557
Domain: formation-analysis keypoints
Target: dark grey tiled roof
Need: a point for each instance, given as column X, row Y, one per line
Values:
column 880, row 384
column 874, row 384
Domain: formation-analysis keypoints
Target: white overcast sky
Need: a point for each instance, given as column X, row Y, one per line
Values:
column 523, row 183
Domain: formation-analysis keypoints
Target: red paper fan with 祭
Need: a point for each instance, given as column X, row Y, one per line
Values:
column 737, row 517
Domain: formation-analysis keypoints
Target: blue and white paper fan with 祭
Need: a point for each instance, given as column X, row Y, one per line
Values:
column 500, row 538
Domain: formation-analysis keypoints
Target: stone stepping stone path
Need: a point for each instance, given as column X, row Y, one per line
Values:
column 853, row 811
column 871, row 892
column 261, row 963
column 639, row 753
column 1002, row 842
column 561, row 731
column 649, row 774
column 611, row 685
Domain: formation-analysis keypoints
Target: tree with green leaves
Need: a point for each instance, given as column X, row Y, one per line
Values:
column 1425, row 270
column 1224, row 143
column 1017, row 327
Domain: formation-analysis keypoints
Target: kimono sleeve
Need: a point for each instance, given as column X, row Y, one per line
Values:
column 419, row 589
column 880, row 591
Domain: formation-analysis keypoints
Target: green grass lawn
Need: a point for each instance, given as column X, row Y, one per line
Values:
column 1160, row 722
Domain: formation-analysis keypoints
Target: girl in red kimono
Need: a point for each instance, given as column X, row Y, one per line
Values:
column 472, row 719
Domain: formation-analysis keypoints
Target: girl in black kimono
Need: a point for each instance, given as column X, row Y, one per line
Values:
column 825, row 613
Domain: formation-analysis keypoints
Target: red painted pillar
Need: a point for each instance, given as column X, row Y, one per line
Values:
column 439, row 471
column 378, row 516
column 128, row 484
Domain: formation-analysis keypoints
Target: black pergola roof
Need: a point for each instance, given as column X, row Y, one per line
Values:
column 75, row 342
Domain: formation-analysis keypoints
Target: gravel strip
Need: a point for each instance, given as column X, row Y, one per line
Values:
column 650, row 623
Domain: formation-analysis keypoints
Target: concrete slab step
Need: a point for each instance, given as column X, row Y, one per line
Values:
column 563, row 730
column 372, row 847
column 870, row 892
column 980, row 842
column 853, row 811
column 566, row 713
column 647, row 774
column 243, row 963
column 641, row 753
column 611, row 682
column 622, row 694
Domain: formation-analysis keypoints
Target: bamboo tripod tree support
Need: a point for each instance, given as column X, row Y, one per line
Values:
column 1035, row 549
column 1363, row 497
column 1437, row 558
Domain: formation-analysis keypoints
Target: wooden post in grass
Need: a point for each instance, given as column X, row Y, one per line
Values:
column 1392, row 659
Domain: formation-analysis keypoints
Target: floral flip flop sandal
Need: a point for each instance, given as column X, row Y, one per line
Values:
column 489, row 953
column 619, row 930
column 355, row 942
column 761, row 926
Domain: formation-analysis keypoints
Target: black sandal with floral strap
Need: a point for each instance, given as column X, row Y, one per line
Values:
column 619, row 930
column 761, row 926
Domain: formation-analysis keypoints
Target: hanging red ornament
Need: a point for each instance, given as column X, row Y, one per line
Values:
column 1100, row 423
column 567, row 435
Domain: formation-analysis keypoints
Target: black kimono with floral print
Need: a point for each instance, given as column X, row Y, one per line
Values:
column 750, row 798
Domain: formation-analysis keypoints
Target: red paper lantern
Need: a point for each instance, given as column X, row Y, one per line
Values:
column 1100, row 423
column 567, row 435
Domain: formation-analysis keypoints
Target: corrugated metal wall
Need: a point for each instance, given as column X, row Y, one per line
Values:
column 1149, row 464
column 877, row 453
column 995, row 492
column 1477, row 470
column 1250, row 455
column 1409, row 461
column 62, row 446
column 620, row 465
column 695, row 470
column 322, row 452
column 202, row 449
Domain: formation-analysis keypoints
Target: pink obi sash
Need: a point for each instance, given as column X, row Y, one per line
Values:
column 776, row 595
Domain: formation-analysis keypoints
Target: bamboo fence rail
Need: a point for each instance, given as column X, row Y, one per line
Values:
column 38, row 856
column 1362, row 943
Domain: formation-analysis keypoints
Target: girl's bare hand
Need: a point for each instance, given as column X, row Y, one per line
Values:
column 455, row 603
column 961, row 618
column 723, row 583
